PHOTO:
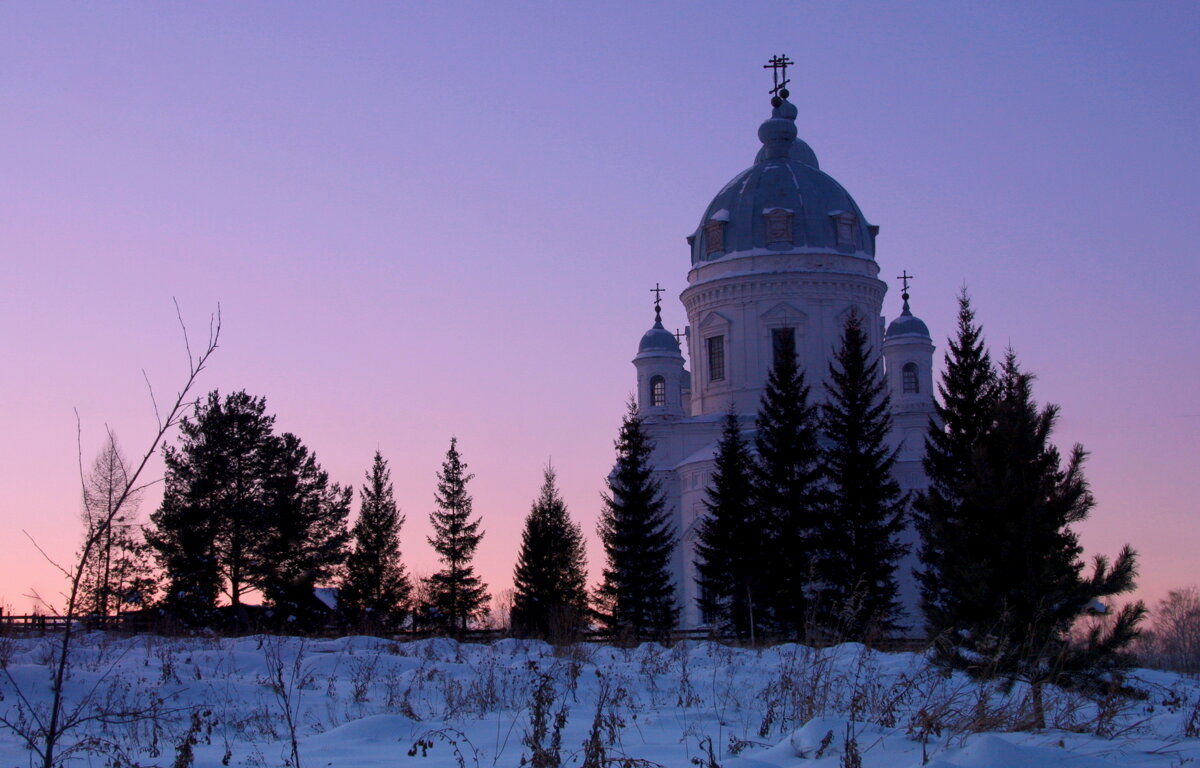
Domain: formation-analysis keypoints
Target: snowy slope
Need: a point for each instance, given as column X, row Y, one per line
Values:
column 364, row 701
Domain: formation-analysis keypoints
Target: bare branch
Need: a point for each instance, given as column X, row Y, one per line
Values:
column 49, row 559
column 183, row 326
column 45, row 742
column 153, row 402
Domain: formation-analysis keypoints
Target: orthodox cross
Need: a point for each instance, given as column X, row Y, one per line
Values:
column 657, row 291
column 778, row 66
column 679, row 337
column 904, row 278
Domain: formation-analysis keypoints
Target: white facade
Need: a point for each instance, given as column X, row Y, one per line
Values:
column 782, row 253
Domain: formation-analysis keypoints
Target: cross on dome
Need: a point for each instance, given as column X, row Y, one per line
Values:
column 658, row 292
column 778, row 66
column 904, row 277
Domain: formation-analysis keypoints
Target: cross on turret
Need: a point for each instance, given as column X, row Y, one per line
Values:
column 904, row 277
column 658, row 292
column 778, row 66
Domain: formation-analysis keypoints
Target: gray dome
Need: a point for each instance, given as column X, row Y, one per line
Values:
column 811, row 211
column 907, row 325
column 659, row 339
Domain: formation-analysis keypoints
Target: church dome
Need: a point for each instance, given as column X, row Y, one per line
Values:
column 659, row 339
column 907, row 324
column 783, row 203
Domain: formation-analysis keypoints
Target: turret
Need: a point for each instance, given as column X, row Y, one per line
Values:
column 908, row 360
column 661, row 378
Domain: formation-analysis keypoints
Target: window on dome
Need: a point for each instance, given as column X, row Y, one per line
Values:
column 783, row 343
column 847, row 230
column 716, row 358
column 714, row 237
column 658, row 391
column 779, row 225
column 908, row 379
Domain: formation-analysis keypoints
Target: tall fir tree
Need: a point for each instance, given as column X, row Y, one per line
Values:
column 1029, row 590
column 206, row 532
column 729, row 562
column 456, row 596
column 636, row 598
column 374, row 592
column 1002, row 577
column 950, row 539
column 550, row 581
column 303, row 540
column 788, row 490
column 858, row 547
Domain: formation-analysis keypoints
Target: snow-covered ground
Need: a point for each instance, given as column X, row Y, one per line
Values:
column 362, row 701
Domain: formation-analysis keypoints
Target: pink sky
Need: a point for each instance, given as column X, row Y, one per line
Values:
column 425, row 220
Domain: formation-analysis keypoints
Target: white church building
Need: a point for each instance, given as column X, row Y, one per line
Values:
column 781, row 256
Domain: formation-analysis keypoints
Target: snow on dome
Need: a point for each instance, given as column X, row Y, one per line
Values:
column 785, row 178
column 907, row 324
column 659, row 339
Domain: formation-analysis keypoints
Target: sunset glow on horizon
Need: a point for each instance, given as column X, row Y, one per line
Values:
column 422, row 221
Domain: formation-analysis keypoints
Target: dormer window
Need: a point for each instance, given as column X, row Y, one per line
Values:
column 909, row 383
column 714, row 237
column 779, row 225
column 846, row 225
column 658, row 392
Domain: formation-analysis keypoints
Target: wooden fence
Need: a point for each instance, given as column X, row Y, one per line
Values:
column 136, row 623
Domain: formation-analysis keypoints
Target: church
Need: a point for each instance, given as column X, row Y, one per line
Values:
column 781, row 256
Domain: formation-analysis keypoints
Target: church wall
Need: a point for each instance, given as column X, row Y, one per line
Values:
column 745, row 308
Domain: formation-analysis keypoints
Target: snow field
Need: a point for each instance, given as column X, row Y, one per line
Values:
column 362, row 701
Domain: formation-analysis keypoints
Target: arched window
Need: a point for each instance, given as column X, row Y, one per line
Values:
column 658, row 391
column 908, row 378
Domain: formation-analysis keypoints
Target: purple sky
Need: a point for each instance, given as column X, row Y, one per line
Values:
column 425, row 220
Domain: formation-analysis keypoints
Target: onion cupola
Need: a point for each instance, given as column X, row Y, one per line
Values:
column 784, row 203
column 662, row 379
column 907, row 324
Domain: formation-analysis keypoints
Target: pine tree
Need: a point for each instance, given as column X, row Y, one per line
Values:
column 550, row 581
column 858, row 548
column 184, row 540
column 730, row 538
column 636, row 598
column 950, row 538
column 375, row 590
column 303, row 538
column 205, row 532
column 787, row 490
column 456, row 595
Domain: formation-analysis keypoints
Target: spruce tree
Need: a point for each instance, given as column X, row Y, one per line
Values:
column 857, row 545
column 729, row 542
column 636, row 598
column 374, row 592
column 550, row 581
column 950, row 539
column 303, row 539
column 787, row 490
column 455, row 594
column 1026, row 590
column 1002, row 578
